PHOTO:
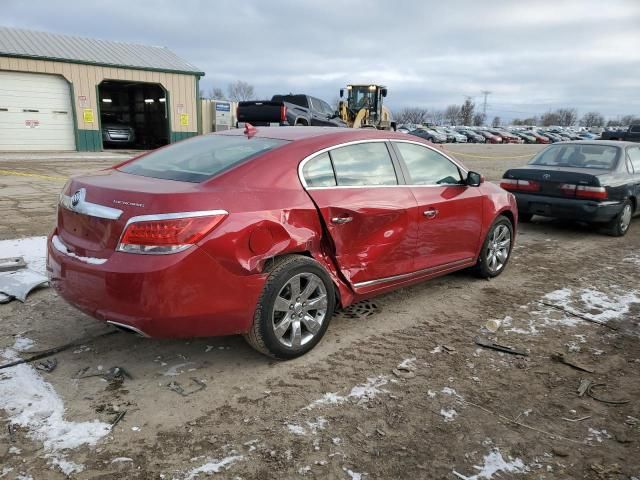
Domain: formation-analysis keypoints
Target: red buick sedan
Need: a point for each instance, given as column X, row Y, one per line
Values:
column 266, row 232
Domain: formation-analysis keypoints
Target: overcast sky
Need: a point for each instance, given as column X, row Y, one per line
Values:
column 532, row 55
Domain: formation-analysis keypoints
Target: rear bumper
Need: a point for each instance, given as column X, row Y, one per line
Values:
column 188, row 294
column 567, row 208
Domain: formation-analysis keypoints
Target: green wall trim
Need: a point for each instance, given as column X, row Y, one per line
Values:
column 98, row 64
column 177, row 136
column 89, row 141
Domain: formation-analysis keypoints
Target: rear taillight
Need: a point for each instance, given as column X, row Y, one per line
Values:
column 168, row 233
column 520, row 185
column 584, row 192
column 283, row 113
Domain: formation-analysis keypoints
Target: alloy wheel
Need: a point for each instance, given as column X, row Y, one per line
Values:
column 498, row 248
column 299, row 310
column 625, row 218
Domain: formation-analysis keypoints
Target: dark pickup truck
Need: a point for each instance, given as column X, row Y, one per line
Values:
column 289, row 110
column 630, row 135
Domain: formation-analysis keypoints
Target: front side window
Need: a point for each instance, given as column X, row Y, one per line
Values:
column 602, row 157
column 199, row 158
column 363, row 164
column 318, row 172
column 428, row 167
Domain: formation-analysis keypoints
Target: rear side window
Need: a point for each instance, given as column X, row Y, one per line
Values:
column 318, row 172
column 634, row 157
column 200, row 158
column 602, row 157
column 363, row 164
column 635, row 129
column 427, row 167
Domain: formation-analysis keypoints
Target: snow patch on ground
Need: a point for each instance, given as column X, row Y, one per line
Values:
column 353, row 475
column 361, row 393
column 32, row 249
column 495, row 463
column 33, row 404
column 176, row 369
column 213, row 466
column 449, row 414
column 597, row 435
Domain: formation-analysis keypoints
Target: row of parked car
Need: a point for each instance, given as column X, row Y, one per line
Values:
column 465, row 134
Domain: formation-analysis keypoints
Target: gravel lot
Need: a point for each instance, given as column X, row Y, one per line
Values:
column 402, row 393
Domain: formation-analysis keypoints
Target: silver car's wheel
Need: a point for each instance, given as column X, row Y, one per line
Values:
column 625, row 218
column 498, row 247
column 299, row 310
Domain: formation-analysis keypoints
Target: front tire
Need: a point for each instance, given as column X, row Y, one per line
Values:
column 294, row 309
column 496, row 249
column 619, row 226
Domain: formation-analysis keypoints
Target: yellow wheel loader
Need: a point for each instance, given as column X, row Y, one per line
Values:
column 363, row 107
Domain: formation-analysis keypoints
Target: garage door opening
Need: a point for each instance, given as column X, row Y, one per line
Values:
column 133, row 115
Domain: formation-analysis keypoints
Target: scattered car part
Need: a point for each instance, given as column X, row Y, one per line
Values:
column 603, row 400
column 119, row 417
column 483, row 342
column 48, row 365
column 19, row 283
column 178, row 388
column 11, row 264
column 559, row 357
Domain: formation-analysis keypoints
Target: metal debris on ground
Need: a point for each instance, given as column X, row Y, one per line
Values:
column 11, row 264
column 363, row 309
column 179, row 389
column 584, row 385
column 483, row 342
column 19, row 283
column 119, row 417
column 559, row 357
column 115, row 375
column 577, row 315
column 48, row 365
column 576, row 419
column 603, row 400
column 449, row 349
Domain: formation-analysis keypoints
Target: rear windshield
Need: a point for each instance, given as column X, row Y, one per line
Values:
column 300, row 100
column 603, row 157
column 200, row 158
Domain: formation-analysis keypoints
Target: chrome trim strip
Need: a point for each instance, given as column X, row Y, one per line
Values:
column 129, row 327
column 374, row 140
column 446, row 266
column 88, row 208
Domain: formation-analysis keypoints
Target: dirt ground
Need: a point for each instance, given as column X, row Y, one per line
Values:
column 403, row 393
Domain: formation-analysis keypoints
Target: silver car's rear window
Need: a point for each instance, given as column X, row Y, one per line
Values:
column 200, row 158
column 575, row 155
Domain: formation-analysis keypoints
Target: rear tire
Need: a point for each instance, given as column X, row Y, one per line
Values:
column 619, row 226
column 285, row 324
column 496, row 249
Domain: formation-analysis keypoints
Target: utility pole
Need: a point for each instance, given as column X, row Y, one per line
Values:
column 486, row 93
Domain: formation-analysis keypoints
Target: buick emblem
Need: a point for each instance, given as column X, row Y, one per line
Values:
column 546, row 176
column 75, row 199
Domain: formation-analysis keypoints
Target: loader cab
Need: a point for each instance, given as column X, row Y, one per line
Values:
column 365, row 96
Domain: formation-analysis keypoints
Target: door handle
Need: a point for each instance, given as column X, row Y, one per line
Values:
column 341, row 220
column 431, row 213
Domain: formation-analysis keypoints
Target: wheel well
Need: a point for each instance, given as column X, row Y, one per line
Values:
column 509, row 216
column 302, row 121
column 634, row 203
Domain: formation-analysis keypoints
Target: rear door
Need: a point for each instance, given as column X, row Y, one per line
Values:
column 369, row 216
column 319, row 116
column 633, row 155
column 448, row 211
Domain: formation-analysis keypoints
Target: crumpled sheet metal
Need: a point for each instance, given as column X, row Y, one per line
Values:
column 19, row 284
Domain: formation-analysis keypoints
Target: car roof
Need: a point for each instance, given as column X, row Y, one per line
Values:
column 611, row 143
column 300, row 133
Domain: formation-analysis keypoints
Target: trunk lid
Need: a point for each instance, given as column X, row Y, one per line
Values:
column 85, row 228
column 551, row 179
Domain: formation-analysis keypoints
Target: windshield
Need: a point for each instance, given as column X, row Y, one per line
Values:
column 602, row 157
column 200, row 158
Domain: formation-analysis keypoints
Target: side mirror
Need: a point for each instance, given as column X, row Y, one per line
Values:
column 474, row 179
column 383, row 92
column 341, row 92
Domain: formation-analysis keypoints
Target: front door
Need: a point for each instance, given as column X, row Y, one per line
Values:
column 449, row 211
column 369, row 217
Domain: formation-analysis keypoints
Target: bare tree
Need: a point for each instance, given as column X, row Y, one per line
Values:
column 216, row 93
column 592, row 119
column 452, row 114
column 496, row 122
column 550, row 118
column 629, row 120
column 414, row 115
column 614, row 122
column 437, row 117
column 466, row 112
column 567, row 116
column 479, row 119
column 240, row 91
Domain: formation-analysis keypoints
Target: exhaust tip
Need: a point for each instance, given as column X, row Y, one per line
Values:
column 128, row 329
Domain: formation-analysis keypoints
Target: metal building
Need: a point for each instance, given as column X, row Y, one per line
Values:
column 61, row 92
